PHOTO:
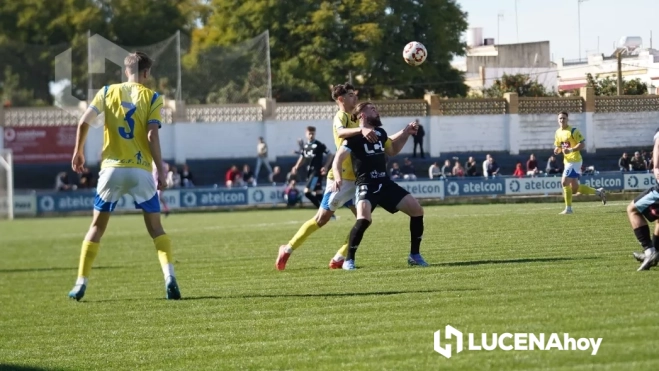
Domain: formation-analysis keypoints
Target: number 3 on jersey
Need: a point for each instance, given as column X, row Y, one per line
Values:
column 130, row 133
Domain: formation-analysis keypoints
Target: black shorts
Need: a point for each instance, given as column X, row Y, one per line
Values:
column 386, row 195
column 314, row 181
column 647, row 203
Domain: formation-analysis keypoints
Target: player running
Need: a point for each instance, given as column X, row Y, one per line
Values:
column 130, row 146
column 344, row 126
column 646, row 206
column 374, row 187
column 569, row 141
column 313, row 152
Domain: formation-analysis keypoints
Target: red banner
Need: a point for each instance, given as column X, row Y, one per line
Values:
column 40, row 144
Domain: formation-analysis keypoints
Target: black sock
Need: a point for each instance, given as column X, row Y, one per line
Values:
column 643, row 236
column 312, row 197
column 355, row 237
column 416, row 233
column 655, row 242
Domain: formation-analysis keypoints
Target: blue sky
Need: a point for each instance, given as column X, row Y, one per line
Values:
column 557, row 22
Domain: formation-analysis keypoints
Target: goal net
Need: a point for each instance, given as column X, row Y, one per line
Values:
column 6, row 185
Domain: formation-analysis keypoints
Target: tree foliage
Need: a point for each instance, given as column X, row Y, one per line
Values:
column 313, row 44
column 609, row 86
column 521, row 84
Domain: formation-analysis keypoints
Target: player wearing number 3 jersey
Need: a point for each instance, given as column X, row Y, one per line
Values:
column 130, row 146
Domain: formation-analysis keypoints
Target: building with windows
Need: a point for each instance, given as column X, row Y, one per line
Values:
column 637, row 62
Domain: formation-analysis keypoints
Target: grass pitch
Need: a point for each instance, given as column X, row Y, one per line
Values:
column 496, row 269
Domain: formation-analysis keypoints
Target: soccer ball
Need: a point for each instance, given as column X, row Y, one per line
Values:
column 415, row 53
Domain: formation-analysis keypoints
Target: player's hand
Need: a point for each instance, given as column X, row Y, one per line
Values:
column 370, row 135
column 162, row 181
column 557, row 150
column 323, row 171
column 412, row 128
column 336, row 186
column 78, row 162
column 568, row 151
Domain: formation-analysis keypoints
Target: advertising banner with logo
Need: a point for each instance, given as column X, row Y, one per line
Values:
column 476, row 187
column 610, row 182
column 59, row 202
column 425, row 189
column 23, row 205
column 546, row 185
column 213, row 197
column 40, row 144
column 639, row 181
column 266, row 195
column 533, row 186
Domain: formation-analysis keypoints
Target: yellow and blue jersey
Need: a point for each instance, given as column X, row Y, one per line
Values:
column 129, row 109
column 569, row 138
column 343, row 120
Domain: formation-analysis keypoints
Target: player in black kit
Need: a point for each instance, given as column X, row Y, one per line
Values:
column 313, row 152
column 374, row 187
column 646, row 206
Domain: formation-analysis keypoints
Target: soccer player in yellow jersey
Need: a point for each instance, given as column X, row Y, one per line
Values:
column 344, row 126
column 130, row 145
column 569, row 141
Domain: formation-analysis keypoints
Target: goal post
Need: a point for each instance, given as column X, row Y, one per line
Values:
column 6, row 185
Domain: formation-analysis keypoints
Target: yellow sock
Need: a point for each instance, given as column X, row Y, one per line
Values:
column 567, row 194
column 343, row 251
column 586, row 190
column 87, row 255
column 164, row 246
column 306, row 230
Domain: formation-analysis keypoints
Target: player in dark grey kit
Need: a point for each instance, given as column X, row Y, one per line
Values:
column 313, row 152
column 374, row 187
column 646, row 206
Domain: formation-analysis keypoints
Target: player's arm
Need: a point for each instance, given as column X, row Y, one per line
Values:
column 298, row 163
column 399, row 139
column 557, row 145
column 581, row 142
column 655, row 157
column 90, row 114
column 396, row 142
column 344, row 133
column 330, row 159
column 341, row 155
column 154, row 122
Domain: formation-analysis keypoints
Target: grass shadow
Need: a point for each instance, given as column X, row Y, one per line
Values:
column 275, row 296
column 53, row 269
column 328, row 295
column 9, row 367
column 509, row 261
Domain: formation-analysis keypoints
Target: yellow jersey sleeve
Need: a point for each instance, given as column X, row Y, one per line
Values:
column 577, row 137
column 387, row 144
column 557, row 140
column 155, row 114
column 340, row 121
column 98, row 103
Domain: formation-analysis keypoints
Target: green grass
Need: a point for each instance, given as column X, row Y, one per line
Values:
column 496, row 268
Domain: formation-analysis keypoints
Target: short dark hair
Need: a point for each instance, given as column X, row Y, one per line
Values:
column 341, row 90
column 311, row 129
column 564, row 113
column 360, row 107
column 138, row 62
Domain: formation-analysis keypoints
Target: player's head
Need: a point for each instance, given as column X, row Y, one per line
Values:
column 311, row 133
column 368, row 115
column 345, row 96
column 138, row 64
column 563, row 119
